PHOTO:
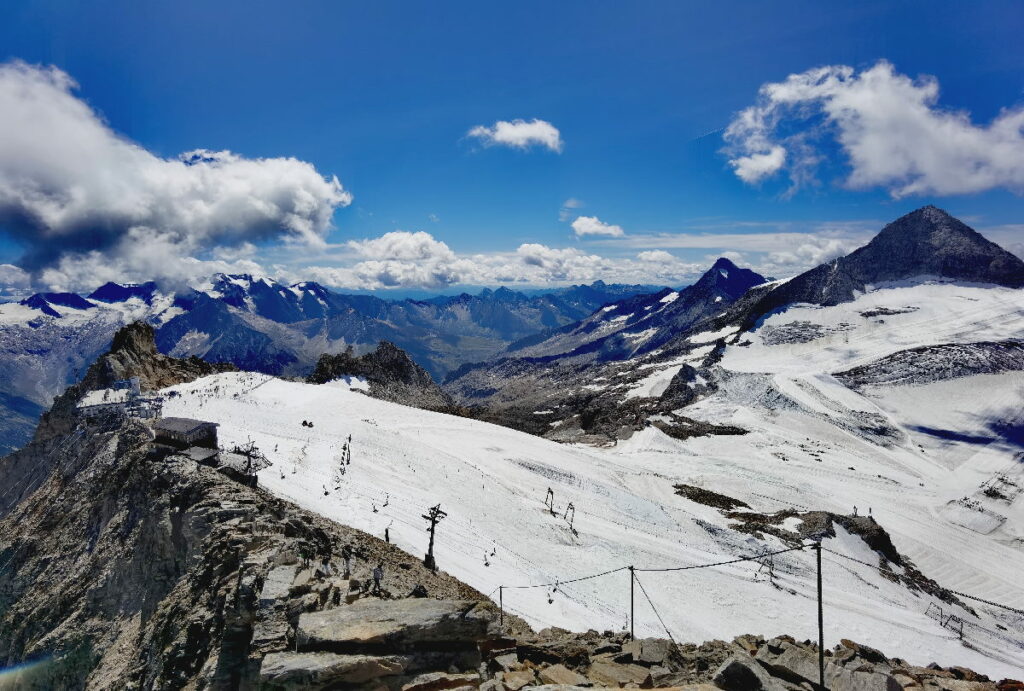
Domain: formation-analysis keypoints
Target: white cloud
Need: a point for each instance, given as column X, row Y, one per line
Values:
column 13, row 280
column 889, row 126
column 83, row 199
column 519, row 134
column 812, row 252
column 655, row 256
column 592, row 225
column 565, row 213
column 755, row 167
column 402, row 259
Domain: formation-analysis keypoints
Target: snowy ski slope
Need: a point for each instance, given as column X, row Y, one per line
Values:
column 810, row 453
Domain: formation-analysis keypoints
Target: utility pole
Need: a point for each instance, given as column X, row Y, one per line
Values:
column 501, row 608
column 434, row 515
column 632, row 582
column 821, row 623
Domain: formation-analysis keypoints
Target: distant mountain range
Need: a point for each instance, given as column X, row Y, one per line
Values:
column 48, row 339
column 588, row 354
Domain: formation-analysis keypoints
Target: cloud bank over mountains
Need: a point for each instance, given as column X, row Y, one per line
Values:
column 89, row 205
column 890, row 128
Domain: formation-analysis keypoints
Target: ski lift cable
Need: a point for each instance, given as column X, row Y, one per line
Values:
column 753, row 557
column 560, row 582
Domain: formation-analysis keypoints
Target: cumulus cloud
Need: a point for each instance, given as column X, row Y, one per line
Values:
column 417, row 260
column 812, row 252
column 519, row 134
column 592, row 225
column 655, row 256
column 890, row 128
column 89, row 204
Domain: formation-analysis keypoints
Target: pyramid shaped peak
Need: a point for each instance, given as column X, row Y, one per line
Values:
column 724, row 263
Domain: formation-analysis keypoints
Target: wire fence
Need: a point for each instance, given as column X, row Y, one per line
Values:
column 765, row 558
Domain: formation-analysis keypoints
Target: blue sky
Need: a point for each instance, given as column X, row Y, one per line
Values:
column 382, row 96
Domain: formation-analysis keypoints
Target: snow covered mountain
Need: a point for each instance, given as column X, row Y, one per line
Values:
column 642, row 323
column 928, row 461
column 262, row 325
column 568, row 388
column 888, row 419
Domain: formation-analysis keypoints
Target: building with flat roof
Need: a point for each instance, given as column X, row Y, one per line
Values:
column 183, row 432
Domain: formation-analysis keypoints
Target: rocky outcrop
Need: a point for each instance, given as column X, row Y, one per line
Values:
column 133, row 353
column 555, row 659
column 937, row 363
column 391, row 374
column 131, row 568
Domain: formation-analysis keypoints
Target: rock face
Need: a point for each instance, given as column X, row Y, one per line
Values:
column 132, row 354
column 391, row 374
column 136, row 569
column 413, row 624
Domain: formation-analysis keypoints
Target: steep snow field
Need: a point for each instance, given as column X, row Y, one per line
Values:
column 877, row 323
column 807, row 454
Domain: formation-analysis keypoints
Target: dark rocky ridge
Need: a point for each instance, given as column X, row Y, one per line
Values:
column 132, row 354
column 132, row 569
column 391, row 374
column 936, row 363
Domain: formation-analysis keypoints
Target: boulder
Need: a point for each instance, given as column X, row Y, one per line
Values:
column 652, row 651
column 560, row 674
column 287, row 669
column 741, row 673
column 610, row 673
column 441, row 681
column 506, row 663
column 865, row 678
column 513, row 681
column 569, row 651
column 789, row 661
column 393, row 625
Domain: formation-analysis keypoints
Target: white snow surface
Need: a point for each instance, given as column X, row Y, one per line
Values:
column 492, row 482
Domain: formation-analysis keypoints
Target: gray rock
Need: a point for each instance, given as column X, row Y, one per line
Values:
column 276, row 585
column 609, row 673
column 740, row 673
column 651, row 651
column 439, row 681
column 844, row 679
column 395, row 625
column 789, row 661
column 507, row 662
column 320, row 669
column 560, row 674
